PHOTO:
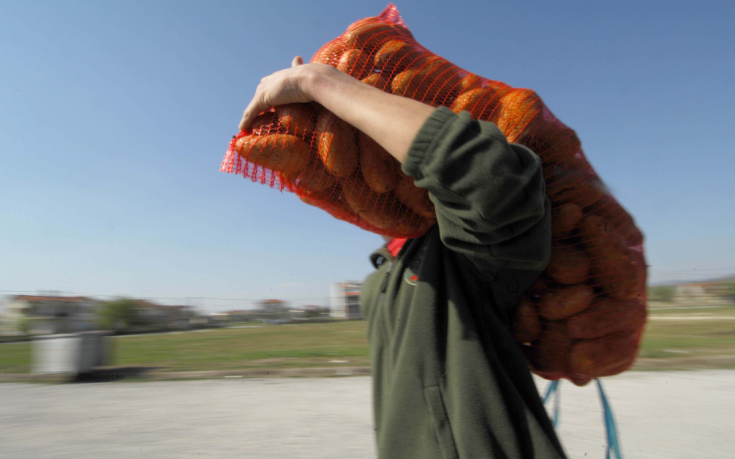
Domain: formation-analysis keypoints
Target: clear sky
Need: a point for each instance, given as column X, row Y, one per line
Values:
column 114, row 118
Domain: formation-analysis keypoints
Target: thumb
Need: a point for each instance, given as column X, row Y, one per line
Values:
column 298, row 60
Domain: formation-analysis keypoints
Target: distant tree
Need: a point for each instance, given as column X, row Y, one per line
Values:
column 662, row 293
column 118, row 315
column 23, row 325
column 727, row 290
column 311, row 312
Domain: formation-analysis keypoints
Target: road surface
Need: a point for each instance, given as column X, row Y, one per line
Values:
column 660, row 415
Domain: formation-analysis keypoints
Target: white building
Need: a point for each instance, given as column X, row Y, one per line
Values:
column 45, row 315
column 345, row 300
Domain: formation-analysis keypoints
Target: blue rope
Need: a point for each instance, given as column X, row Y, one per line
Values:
column 611, row 430
column 554, row 389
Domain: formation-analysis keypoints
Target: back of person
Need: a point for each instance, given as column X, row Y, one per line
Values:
column 449, row 379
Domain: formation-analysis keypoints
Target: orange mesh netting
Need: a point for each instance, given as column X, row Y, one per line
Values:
column 585, row 315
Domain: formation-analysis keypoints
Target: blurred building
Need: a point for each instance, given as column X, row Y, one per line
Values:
column 161, row 317
column 315, row 311
column 718, row 292
column 45, row 315
column 701, row 294
column 241, row 315
column 273, row 310
column 344, row 300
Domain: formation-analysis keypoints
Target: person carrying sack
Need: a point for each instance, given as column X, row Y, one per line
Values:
column 449, row 380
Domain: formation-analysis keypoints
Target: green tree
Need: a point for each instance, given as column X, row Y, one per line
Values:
column 23, row 325
column 662, row 293
column 118, row 315
column 727, row 290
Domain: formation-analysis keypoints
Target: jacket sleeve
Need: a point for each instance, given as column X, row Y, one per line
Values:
column 489, row 195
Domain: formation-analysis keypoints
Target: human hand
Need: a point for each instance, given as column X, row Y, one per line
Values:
column 288, row 86
column 391, row 120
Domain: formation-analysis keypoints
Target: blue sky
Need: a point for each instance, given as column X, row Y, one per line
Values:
column 115, row 117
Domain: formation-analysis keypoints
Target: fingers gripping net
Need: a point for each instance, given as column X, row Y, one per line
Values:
column 585, row 315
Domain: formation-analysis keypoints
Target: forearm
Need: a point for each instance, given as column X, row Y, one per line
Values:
column 392, row 121
column 489, row 195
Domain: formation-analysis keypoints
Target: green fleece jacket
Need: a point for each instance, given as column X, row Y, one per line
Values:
column 449, row 381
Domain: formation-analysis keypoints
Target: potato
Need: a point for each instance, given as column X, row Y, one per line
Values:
column 607, row 316
column 565, row 302
column 468, row 82
column 526, row 325
column 468, row 100
column 550, row 172
column 551, row 351
column 496, row 85
column 377, row 80
column 361, row 199
column 576, row 166
column 296, row 119
column 579, row 380
column 443, row 81
column 403, row 31
column 363, row 22
column 330, row 200
column 413, row 197
column 355, row 63
column 264, row 124
column 313, row 178
column 398, row 29
column 392, row 56
column 604, row 356
column 330, row 53
column 599, row 239
column 437, row 81
column 568, row 265
column 278, row 152
column 403, row 221
column 551, row 140
column 375, row 208
column 336, row 144
column 538, row 288
column 564, row 219
column 431, row 63
column 379, row 169
column 382, row 213
column 321, row 198
column 408, row 224
column 405, row 83
column 518, row 113
column 432, row 81
column 575, row 186
column 618, row 270
column 369, row 36
column 621, row 275
column 481, row 103
column 617, row 219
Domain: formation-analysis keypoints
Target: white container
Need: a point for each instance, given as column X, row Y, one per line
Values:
column 70, row 353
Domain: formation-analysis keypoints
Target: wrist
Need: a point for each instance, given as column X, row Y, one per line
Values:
column 315, row 79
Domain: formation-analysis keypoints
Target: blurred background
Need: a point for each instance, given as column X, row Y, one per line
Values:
column 116, row 115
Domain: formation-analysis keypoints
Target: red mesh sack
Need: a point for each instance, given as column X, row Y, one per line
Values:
column 585, row 315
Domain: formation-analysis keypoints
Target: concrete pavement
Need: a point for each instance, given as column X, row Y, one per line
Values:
column 678, row 415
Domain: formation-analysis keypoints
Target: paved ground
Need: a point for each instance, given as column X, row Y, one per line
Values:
column 660, row 415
